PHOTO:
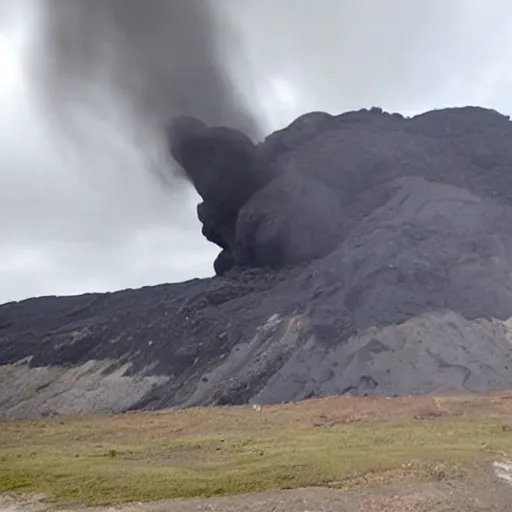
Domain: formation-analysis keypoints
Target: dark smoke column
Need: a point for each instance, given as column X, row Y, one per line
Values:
column 163, row 63
column 162, row 58
column 227, row 169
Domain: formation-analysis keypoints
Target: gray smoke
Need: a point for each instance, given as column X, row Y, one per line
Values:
column 150, row 61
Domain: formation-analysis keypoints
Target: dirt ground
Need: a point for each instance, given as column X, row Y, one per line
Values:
column 486, row 492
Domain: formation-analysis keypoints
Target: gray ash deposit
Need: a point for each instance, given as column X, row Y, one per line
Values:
column 365, row 253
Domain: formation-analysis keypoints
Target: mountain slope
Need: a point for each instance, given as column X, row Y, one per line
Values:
column 409, row 291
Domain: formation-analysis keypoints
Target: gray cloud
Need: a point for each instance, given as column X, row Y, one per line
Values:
column 66, row 230
column 92, row 216
column 398, row 54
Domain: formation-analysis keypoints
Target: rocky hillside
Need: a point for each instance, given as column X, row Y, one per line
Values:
column 365, row 253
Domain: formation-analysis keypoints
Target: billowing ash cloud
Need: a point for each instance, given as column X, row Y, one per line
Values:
column 147, row 61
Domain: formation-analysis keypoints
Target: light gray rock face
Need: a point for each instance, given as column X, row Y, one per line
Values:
column 98, row 387
column 431, row 353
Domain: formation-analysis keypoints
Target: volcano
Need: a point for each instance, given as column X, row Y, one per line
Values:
column 364, row 253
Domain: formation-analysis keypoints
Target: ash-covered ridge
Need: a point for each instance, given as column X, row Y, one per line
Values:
column 364, row 253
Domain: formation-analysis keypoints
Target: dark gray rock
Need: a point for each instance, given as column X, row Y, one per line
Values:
column 294, row 219
column 299, row 131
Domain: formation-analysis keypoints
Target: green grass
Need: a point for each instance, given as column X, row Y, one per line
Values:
column 100, row 461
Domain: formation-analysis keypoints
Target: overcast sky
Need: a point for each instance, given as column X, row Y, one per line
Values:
column 94, row 218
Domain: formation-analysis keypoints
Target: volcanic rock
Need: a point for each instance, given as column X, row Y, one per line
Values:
column 293, row 219
column 365, row 253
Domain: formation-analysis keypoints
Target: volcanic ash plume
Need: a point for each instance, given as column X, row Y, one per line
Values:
column 151, row 60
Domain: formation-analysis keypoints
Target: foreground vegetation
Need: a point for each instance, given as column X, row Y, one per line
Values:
column 339, row 442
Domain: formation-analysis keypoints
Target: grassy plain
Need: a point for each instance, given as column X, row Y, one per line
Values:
column 341, row 442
